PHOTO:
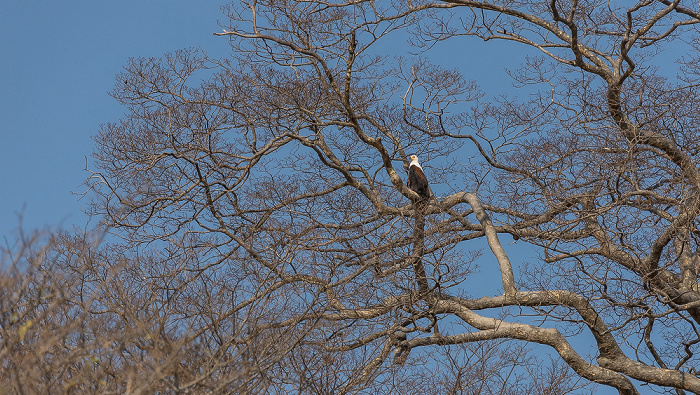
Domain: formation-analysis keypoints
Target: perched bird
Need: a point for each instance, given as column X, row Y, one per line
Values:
column 416, row 179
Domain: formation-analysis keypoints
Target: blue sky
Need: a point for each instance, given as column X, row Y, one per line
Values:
column 58, row 60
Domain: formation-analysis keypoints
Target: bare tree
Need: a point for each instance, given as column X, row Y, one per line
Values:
column 263, row 239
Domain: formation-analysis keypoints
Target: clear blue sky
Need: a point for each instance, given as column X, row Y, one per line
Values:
column 58, row 60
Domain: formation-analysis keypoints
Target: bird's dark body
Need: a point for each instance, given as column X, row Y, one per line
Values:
column 418, row 183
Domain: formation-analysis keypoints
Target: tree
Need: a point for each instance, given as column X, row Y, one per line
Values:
column 269, row 240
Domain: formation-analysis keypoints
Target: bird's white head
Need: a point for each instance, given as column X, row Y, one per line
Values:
column 414, row 161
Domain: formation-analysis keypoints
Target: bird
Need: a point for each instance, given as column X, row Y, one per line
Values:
column 416, row 179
